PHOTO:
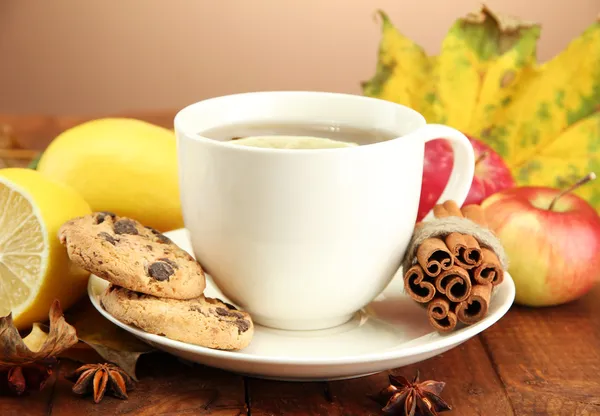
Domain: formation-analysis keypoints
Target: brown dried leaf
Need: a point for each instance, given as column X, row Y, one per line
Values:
column 111, row 342
column 38, row 345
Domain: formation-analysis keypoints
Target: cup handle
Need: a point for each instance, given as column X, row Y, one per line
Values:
column 463, row 167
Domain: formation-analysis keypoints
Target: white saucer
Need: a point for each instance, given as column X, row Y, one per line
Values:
column 391, row 332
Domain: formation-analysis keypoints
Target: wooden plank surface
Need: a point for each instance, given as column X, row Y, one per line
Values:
column 34, row 404
column 166, row 386
column 532, row 362
column 549, row 358
column 473, row 388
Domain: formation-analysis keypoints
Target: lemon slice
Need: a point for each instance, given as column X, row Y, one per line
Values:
column 23, row 250
column 292, row 142
column 34, row 267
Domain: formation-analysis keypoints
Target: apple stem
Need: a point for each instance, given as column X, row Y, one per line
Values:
column 589, row 177
column 481, row 157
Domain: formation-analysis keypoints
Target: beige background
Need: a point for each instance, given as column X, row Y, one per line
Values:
column 98, row 57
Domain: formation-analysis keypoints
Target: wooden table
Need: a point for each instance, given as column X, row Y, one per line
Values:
column 532, row 362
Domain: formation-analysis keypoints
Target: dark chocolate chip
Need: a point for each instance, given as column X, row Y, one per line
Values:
column 102, row 216
column 108, row 237
column 125, row 226
column 171, row 262
column 230, row 306
column 222, row 312
column 149, row 247
column 160, row 271
column 242, row 325
column 225, row 312
column 162, row 238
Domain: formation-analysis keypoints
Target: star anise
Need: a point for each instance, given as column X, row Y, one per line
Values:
column 414, row 398
column 99, row 379
column 19, row 379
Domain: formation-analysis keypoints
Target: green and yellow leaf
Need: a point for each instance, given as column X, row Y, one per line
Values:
column 486, row 81
column 403, row 70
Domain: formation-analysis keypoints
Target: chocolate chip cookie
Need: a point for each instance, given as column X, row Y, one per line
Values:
column 201, row 321
column 126, row 253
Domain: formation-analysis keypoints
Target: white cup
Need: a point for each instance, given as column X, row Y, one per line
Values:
column 303, row 239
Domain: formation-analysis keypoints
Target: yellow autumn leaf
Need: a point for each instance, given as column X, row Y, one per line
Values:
column 403, row 71
column 541, row 118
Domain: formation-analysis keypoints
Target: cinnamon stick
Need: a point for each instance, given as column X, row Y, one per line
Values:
column 416, row 286
column 440, row 212
column 454, row 283
column 465, row 249
column 452, row 208
column 475, row 213
column 441, row 317
column 475, row 308
column 447, row 209
column 490, row 270
column 433, row 256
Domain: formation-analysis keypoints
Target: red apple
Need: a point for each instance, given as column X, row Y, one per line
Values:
column 491, row 174
column 553, row 247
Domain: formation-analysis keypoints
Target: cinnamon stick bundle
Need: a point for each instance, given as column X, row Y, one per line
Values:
column 452, row 273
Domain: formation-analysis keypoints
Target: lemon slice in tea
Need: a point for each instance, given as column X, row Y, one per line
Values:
column 292, row 142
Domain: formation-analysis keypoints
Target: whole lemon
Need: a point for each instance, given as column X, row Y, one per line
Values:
column 122, row 165
column 34, row 266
